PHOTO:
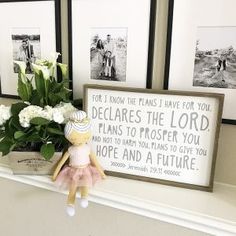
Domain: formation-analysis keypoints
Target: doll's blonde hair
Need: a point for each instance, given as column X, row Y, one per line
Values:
column 78, row 122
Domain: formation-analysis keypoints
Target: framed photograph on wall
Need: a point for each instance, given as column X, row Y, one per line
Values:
column 29, row 30
column 201, row 49
column 168, row 137
column 111, row 43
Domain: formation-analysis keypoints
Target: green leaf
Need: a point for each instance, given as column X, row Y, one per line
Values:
column 29, row 88
column 64, row 94
column 41, row 103
column 5, row 147
column 78, row 103
column 64, row 70
column 36, row 98
column 47, row 151
column 54, row 99
column 9, row 128
column 24, row 89
column 47, row 85
column 55, row 131
column 17, row 107
column 19, row 134
column 39, row 83
column 56, row 87
column 15, row 123
column 2, row 134
column 38, row 127
column 39, row 121
column 32, row 138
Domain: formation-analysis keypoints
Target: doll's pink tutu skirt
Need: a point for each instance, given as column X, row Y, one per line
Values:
column 79, row 177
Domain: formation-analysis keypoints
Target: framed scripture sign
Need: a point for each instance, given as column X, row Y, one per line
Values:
column 111, row 43
column 29, row 30
column 158, row 136
column 201, row 49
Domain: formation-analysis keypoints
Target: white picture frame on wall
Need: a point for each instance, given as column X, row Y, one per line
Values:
column 201, row 49
column 30, row 30
column 131, row 26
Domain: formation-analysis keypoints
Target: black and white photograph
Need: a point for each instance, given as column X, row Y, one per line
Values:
column 108, row 54
column 215, row 57
column 26, row 47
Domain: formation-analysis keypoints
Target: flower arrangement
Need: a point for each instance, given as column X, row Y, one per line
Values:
column 37, row 122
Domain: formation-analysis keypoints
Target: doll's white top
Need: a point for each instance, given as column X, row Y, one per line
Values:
column 79, row 155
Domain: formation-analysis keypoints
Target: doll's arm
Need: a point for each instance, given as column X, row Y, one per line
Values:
column 95, row 163
column 60, row 164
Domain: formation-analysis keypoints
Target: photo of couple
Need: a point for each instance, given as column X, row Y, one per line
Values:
column 108, row 54
column 26, row 47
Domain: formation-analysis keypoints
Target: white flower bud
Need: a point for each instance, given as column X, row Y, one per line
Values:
column 5, row 114
column 58, row 117
column 22, row 66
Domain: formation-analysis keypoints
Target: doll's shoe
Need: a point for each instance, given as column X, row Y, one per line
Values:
column 70, row 209
column 84, row 202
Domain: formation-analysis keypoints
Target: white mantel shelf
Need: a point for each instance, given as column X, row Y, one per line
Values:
column 213, row 213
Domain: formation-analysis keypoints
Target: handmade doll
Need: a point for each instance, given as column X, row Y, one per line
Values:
column 83, row 169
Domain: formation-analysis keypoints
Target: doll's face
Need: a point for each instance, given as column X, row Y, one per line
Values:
column 77, row 138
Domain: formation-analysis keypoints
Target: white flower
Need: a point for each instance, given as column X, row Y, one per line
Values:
column 54, row 114
column 41, row 62
column 66, row 109
column 46, row 72
column 5, row 114
column 58, row 116
column 49, row 110
column 59, row 113
column 64, row 69
column 36, row 68
column 46, row 115
column 25, row 124
column 29, row 113
column 44, row 69
column 22, row 66
column 54, row 56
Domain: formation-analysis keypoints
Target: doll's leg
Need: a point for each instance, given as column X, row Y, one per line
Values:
column 84, row 196
column 71, row 196
column 71, row 201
